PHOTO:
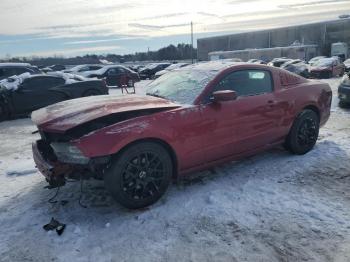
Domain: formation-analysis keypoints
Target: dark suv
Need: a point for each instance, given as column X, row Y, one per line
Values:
column 10, row 69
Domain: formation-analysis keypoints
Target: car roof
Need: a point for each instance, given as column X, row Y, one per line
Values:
column 112, row 66
column 217, row 65
column 43, row 75
column 15, row 65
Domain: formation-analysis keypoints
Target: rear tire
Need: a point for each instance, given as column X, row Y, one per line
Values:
column 3, row 113
column 139, row 175
column 303, row 135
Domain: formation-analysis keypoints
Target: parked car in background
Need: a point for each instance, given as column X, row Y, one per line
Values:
column 315, row 59
column 136, row 68
column 298, row 67
column 191, row 119
column 10, row 69
column 256, row 61
column 20, row 95
column 83, row 68
column 344, row 90
column 277, row 62
column 169, row 68
column 149, row 71
column 327, row 68
column 115, row 75
column 347, row 65
column 53, row 68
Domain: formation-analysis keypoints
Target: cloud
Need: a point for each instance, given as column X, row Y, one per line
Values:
column 171, row 15
column 313, row 3
column 101, row 40
column 208, row 14
column 73, row 51
column 153, row 27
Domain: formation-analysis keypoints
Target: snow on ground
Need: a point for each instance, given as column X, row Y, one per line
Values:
column 271, row 207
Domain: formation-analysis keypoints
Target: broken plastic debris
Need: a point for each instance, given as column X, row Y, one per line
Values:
column 55, row 224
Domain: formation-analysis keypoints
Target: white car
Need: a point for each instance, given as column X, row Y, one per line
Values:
column 347, row 65
column 170, row 68
column 82, row 68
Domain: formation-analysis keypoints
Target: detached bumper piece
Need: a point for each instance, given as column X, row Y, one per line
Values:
column 48, row 165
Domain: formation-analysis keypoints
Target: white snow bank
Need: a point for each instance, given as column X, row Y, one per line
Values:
column 69, row 78
column 13, row 82
column 21, row 168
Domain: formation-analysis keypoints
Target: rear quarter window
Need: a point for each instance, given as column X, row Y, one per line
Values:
column 288, row 79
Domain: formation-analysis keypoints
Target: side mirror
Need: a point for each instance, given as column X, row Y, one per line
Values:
column 224, row 95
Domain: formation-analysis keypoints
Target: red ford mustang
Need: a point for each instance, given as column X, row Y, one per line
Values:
column 191, row 119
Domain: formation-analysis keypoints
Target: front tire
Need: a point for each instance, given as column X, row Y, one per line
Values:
column 139, row 175
column 303, row 135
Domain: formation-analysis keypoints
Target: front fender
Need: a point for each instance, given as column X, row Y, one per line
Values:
column 112, row 139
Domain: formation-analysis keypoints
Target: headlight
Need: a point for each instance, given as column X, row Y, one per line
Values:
column 346, row 80
column 68, row 153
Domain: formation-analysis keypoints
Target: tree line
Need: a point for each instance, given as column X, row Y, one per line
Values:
column 170, row 53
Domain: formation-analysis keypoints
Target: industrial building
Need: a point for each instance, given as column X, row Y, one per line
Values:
column 317, row 37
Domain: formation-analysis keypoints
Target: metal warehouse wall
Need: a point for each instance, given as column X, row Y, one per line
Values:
column 322, row 34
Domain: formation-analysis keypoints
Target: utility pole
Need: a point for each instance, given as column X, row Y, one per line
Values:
column 192, row 41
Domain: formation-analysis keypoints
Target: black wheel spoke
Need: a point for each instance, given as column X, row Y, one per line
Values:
column 143, row 175
column 307, row 133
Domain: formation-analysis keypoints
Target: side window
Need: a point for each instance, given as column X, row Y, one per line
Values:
column 247, row 82
column 112, row 71
column 2, row 72
column 115, row 71
column 94, row 67
column 83, row 69
column 20, row 70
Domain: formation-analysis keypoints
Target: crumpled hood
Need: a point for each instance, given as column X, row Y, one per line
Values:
column 71, row 113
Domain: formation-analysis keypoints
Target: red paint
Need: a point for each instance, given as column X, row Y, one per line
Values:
column 203, row 135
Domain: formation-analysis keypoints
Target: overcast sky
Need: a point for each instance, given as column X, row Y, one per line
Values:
column 76, row 27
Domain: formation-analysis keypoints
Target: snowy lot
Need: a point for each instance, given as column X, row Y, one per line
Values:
column 271, row 207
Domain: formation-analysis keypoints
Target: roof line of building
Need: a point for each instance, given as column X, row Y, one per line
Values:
column 276, row 28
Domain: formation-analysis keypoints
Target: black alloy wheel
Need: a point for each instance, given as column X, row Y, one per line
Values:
column 139, row 175
column 303, row 134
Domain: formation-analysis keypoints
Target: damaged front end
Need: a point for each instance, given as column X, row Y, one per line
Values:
column 48, row 164
column 59, row 161
column 60, row 154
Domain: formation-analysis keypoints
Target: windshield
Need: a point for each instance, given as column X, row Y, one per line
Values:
column 324, row 62
column 180, row 86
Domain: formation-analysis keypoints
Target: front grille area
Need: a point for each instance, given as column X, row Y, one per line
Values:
column 55, row 137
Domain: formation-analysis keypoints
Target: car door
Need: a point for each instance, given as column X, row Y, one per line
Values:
column 113, row 76
column 37, row 92
column 250, row 122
